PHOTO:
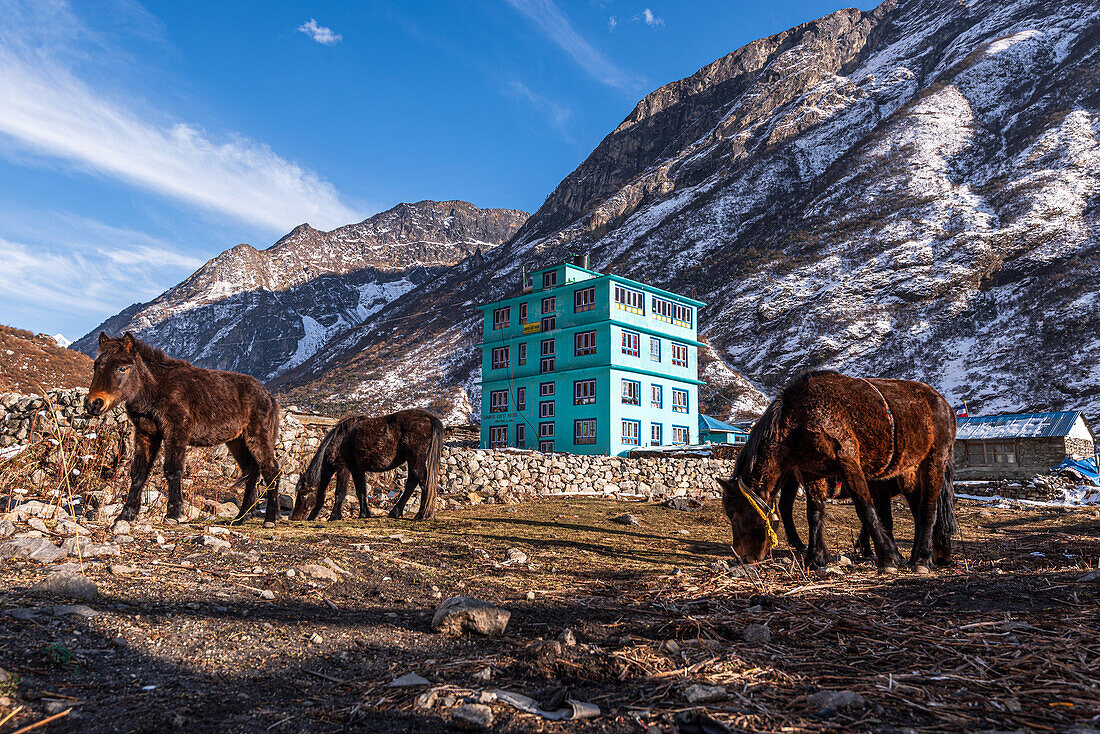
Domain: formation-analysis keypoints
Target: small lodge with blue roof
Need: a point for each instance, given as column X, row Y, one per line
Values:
column 1019, row 446
column 712, row 430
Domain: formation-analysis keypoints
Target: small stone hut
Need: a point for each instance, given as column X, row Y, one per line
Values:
column 1019, row 446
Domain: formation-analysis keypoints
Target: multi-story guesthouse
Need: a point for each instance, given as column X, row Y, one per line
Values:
column 589, row 363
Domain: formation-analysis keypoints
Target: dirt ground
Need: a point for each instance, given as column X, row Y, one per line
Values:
column 1009, row 639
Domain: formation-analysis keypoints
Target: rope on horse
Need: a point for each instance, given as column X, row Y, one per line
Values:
column 893, row 425
column 761, row 508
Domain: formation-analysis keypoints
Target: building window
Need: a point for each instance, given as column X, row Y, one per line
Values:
column 546, row 389
column 546, row 430
column 679, row 401
column 991, row 453
column 548, row 323
column 654, row 349
column 631, row 432
column 584, row 431
column 546, row 350
column 584, row 392
column 656, row 396
column 632, row 392
column 681, row 315
column 661, row 309
column 521, row 398
column 501, row 355
column 655, row 434
column 521, row 435
column 679, row 355
column 523, row 313
column 585, row 343
column 630, row 343
column 521, row 354
column 498, row 401
column 549, row 304
column 501, row 317
column 680, row 436
column 629, row 300
column 546, row 447
column 546, row 409
column 584, row 299
column 498, row 437
column 550, row 279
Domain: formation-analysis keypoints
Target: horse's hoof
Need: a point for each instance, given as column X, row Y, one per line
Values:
column 889, row 570
column 922, row 569
column 268, row 524
column 171, row 521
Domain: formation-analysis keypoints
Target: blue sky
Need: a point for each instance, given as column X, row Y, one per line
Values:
column 137, row 141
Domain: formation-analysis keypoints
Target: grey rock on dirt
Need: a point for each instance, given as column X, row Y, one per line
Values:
column 473, row 717
column 1090, row 576
column 68, row 583
column 461, row 614
column 36, row 549
column 701, row 693
column 316, row 572
column 828, row 703
column 85, row 548
column 626, row 519
column 757, row 634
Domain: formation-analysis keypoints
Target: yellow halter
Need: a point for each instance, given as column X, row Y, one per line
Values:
column 761, row 508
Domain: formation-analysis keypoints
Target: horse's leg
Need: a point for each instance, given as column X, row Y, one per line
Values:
column 928, row 491
column 146, row 447
column 261, row 445
column 322, row 489
column 175, row 454
column 786, row 513
column 885, row 548
column 360, row 479
column 343, row 479
column 817, row 554
column 410, row 484
column 250, row 474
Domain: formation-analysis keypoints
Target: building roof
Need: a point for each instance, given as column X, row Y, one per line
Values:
column 707, row 423
column 1019, row 425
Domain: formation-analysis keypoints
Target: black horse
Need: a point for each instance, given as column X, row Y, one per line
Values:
column 359, row 444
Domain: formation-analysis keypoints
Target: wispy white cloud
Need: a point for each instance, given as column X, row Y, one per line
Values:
column 557, row 115
column 611, row 23
column 320, row 33
column 549, row 18
column 48, row 110
column 649, row 18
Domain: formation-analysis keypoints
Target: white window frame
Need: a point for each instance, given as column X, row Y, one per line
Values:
column 501, row 357
column 584, row 343
column 550, row 279
column 633, row 395
column 550, row 304
column 521, row 435
column 546, row 389
column 546, row 429
column 498, row 436
column 546, row 409
column 584, row 299
column 521, row 398
column 584, row 391
column 656, row 396
column 629, row 300
column 656, row 434
column 654, row 349
column 683, row 404
column 502, row 318
column 521, row 353
column 682, row 349
column 498, row 401
column 633, row 436
column 584, row 431
column 683, row 431
column 632, row 337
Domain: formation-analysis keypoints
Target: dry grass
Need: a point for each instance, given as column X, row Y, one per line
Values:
column 27, row 362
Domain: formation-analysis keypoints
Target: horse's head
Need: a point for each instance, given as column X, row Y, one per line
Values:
column 751, row 541
column 115, row 373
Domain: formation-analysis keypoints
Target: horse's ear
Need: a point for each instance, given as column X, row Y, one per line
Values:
column 104, row 340
column 727, row 485
column 129, row 344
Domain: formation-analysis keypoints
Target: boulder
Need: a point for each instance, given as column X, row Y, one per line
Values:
column 462, row 614
column 36, row 549
column 68, row 583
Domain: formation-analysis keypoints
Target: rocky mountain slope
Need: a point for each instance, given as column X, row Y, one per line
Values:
column 35, row 363
column 907, row 192
column 266, row 311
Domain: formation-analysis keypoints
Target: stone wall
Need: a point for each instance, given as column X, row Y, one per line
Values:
column 64, row 439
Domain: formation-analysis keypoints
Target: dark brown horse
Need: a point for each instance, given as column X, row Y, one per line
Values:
column 882, row 492
column 175, row 404
column 359, row 444
column 878, row 436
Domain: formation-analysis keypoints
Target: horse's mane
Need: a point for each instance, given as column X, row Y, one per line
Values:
column 765, row 428
column 155, row 357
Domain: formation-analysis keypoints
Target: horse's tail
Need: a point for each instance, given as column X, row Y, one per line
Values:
column 946, row 525
column 311, row 477
column 431, row 481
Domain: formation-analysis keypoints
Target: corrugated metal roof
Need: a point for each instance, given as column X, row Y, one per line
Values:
column 1022, row 425
column 706, row 423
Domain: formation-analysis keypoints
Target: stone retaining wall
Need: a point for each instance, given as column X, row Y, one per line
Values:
column 57, row 420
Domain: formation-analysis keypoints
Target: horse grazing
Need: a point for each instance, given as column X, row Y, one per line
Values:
column 175, row 404
column 360, row 444
column 878, row 436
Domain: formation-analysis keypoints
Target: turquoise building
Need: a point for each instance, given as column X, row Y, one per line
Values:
column 589, row 363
